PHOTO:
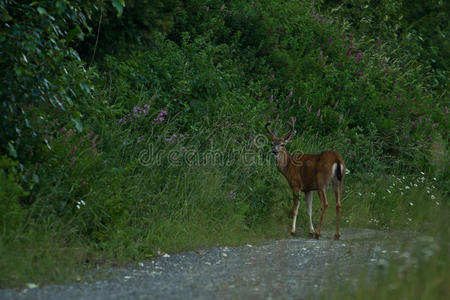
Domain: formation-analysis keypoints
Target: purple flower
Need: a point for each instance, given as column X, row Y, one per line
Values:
column 379, row 43
column 83, row 183
column 359, row 56
column 74, row 149
column 72, row 160
column 183, row 149
column 271, row 98
column 290, row 95
column 330, row 41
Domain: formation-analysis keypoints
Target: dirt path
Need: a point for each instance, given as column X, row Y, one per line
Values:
column 297, row 268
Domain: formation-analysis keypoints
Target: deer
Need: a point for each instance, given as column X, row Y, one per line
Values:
column 307, row 173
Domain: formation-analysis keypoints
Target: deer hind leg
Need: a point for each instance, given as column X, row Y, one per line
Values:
column 337, row 187
column 295, row 211
column 323, row 200
column 308, row 199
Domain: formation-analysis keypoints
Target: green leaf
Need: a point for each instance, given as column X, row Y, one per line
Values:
column 12, row 150
column 75, row 32
column 42, row 11
column 118, row 5
column 78, row 124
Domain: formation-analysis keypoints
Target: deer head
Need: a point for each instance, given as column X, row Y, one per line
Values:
column 279, row 144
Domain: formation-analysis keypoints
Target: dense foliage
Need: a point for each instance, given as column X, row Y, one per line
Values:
column 129, row 126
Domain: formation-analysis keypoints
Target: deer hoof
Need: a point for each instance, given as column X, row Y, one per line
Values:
column 337, row 236
column 316, row 236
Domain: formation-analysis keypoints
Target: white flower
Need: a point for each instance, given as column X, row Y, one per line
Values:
column 415, row 184
column 407, row 187
column 437, row 203
column 347, row 171
column 409, row 219
column 78, row 206
column 433, row 197
column 359, row 193
column 434, row 178
column 422, row 173
column 82, row 202
column 388, row 191
column 411, row 204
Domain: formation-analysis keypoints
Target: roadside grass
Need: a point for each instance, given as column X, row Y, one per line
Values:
column 421, row 273
column 136, row 208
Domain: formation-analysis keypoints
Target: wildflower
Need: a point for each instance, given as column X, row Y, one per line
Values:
column 72, row 160
column 232, row 195
column 359, row 56
column 290, row 95
column 183, row 149
column 207, row 9
column 74, row 149
column 409, row 219
column 379, row 43
column 62, row 130
column 433, row 197
column 422, row 173
column 83, row 183
column 411, row 204
column 407, row 187
column 90, row 134
column 271, row 98
column 437, row 203
column 388, row 191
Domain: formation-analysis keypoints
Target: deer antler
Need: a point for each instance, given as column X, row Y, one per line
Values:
column 268, row 130
column 291, row 133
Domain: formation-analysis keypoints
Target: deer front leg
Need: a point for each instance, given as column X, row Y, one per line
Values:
column 294, row 212
column 323, row 200
column 308, row 199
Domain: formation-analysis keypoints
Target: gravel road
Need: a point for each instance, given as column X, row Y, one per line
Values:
column 295, row 268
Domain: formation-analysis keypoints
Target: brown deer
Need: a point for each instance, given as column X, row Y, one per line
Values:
column 307, row 173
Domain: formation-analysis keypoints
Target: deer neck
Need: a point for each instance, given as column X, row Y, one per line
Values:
column 283, row 162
